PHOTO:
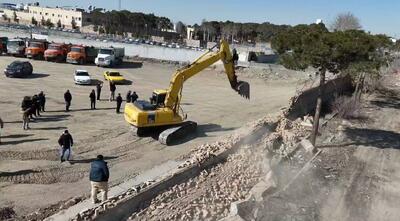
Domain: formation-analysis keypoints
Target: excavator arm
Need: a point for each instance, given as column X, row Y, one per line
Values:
column 173, row 97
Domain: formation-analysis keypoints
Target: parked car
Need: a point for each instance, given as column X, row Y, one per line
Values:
column 114, row 76
column 82, row 77
column 19, row 69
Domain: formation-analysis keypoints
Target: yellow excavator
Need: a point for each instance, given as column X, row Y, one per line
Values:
column 163, row 113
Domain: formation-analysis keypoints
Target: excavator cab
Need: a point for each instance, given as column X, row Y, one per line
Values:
column 158, row 98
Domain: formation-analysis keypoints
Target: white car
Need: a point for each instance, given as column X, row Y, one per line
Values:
column 82, row 77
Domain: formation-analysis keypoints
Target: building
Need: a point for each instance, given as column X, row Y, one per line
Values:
column 65, row 16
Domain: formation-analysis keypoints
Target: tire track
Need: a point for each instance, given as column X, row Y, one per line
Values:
column 46, row 176
column 30, row 155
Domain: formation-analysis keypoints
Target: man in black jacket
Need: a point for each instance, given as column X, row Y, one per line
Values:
column 92, row 96
column 66, row 142
column 119, row 102
column 99, row 175
column 113, row 87
column 68, row 99
column 134, row 97
column 98, row 88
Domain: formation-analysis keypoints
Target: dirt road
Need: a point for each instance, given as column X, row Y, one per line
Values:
column 31, row 174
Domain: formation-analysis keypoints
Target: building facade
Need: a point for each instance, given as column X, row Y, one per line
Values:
column 55, row 15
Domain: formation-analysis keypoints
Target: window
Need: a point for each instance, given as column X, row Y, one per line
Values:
column 53, row 15
column 66, row 16
column 40, row 13
column 79, row 19
column 47, row 13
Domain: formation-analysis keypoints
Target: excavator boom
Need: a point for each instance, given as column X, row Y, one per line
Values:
column 173, row 95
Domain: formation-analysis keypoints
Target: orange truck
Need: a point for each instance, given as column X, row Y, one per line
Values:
column 57, row 52
column 82, row 54
column 36, row 49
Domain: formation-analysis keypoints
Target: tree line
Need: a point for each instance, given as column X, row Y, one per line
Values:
column 237, row 32
column 122, row 22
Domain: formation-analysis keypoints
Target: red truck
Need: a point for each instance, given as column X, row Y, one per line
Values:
column 36, row 48
column 57, row 52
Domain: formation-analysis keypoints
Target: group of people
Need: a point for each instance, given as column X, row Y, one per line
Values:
column 95, row 96
column 31, row 107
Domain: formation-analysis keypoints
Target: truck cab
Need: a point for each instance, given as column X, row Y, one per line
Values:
column 81, row 54
column 16, row 47
column 36, row 49
column 110, row 56
column 56, row 52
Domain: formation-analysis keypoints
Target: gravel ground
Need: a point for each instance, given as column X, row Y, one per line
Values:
column 32, row 176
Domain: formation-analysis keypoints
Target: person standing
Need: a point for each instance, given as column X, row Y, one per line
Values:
column 119, row 102
column 26, row 111
column 68, row 99
column 128, row 97
column 1, row 127
column 66, row 142
column 99, row 175
column 98, row 89
column 113, row 87
column 134, row 97
column 42, row 101
column 36, row 104
column 92, row 97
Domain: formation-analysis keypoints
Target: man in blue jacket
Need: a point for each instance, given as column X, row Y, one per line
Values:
column 99, row 178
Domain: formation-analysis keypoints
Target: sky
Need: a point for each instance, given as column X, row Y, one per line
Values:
column 377, row 16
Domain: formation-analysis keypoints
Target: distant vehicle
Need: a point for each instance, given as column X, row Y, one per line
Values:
column 114, row 76
column 82, row 77
column 164, row 44
column 57, row 52
column 82, row 54
column 108, row 57
column 36, row 49
column 18, row 69
column 3, row 45
column 16, row 47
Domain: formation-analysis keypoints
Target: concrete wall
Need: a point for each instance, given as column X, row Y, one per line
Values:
column 145, row 51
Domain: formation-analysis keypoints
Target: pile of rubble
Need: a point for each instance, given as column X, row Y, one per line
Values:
column 209, row 195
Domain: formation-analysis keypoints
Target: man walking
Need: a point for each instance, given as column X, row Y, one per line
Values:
column 112, row 90
column 68, row 99
column 66, row 142
column 42, row 101
column 98, row 89
column 99, row 175
column 119, row 102
column 92, row 96
column 1, row 127
column 134, row 97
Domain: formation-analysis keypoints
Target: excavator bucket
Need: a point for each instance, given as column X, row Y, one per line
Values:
column 243, row 88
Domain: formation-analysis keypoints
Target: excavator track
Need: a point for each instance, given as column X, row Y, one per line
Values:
column 174, row 134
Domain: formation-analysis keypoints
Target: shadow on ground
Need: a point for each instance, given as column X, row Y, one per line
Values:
column 201, row 131
column 129, row 65
column 369, row 137
column 15, row 142
column 91, row 160
column 37, row 75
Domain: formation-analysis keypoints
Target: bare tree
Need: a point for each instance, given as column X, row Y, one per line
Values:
column 346, row 21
